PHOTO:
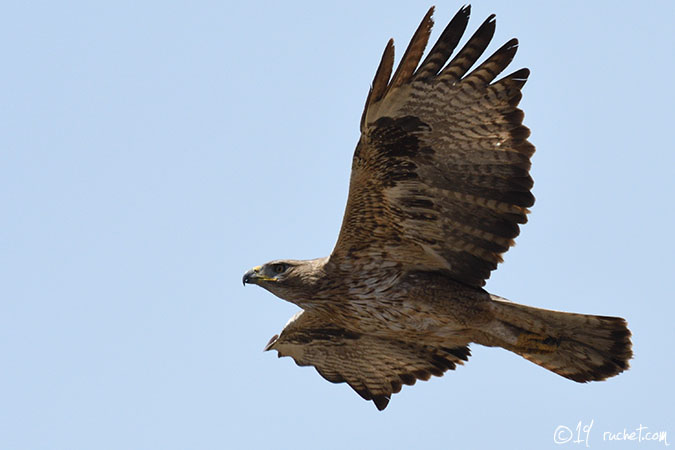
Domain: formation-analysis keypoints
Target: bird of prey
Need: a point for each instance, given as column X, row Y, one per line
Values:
column 439, row 187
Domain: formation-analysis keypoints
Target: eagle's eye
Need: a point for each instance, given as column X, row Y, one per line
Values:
column 279, row 268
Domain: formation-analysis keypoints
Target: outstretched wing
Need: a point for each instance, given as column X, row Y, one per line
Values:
column 440, row 177
column 374, row 367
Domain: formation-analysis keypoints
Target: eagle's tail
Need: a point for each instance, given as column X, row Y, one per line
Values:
column 576, row 346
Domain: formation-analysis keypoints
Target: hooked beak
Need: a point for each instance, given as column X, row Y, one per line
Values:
column 270, row 344
column 254, row 276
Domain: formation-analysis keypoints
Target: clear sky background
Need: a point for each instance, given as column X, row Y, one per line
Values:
column 151, row 152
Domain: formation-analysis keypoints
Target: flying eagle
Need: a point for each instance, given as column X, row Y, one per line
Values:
column 439, row 186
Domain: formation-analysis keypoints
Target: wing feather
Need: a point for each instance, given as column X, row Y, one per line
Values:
column 374, row 367
column 440, row 177
column 445, row 45
column 413, row 53
column 471, row 51
column 381, row 78
column 494, row 65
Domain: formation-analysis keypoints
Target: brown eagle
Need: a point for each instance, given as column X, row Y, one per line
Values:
column 439, row 186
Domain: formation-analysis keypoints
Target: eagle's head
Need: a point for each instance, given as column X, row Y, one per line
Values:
column 289, row 279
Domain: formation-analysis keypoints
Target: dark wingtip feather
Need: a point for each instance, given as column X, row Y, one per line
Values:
column 381, row 401
column 471, row 51
column 422, row 374
column 487, row 71
column 408, row 378
column 521, row 74
column 445, row 44
column 462, row 353
column 396, row 386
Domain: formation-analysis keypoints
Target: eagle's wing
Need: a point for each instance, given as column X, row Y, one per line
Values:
column 374, row 367
column 440, row 177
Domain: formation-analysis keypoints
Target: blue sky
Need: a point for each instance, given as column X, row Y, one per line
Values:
column 150, row 153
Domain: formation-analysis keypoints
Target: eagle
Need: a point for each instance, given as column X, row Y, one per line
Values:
column 439, row 187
